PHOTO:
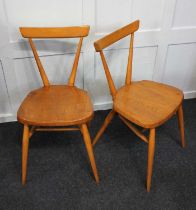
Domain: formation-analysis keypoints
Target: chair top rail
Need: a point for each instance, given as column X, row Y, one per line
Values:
column 55, row 32
column 116, row 35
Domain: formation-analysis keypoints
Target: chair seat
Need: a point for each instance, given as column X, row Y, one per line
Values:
column 147, row 103
column 56, row 105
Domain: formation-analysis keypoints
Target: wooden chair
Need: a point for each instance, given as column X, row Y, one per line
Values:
column 54, row 107
column 145, row 103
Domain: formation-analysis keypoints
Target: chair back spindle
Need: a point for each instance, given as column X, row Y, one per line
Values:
column 110, row 39
column 61, row 32
column 130, row 61
column 75, row 65
column 39, row 64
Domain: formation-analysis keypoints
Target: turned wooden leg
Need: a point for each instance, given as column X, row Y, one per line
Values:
column 181, row 124
column 104, row 126
column 25, row 148
column 89, row 149
column 151, row 148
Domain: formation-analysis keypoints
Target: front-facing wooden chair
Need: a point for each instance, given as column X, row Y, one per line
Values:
column 56, row 107
column 145, row 103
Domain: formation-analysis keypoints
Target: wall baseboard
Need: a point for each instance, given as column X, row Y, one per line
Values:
column 189, row 94
column 103, row 106
column 97, row 106
column 7, row 118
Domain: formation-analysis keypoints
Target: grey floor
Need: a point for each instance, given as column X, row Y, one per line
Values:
column 59, row 174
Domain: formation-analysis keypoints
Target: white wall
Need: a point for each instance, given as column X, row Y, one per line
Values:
column 165, row 46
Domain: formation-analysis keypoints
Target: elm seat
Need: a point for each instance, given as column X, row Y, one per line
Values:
column 56, row 105
column 147, row 103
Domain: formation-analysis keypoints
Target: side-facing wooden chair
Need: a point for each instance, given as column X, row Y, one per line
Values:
column 54, row 107
column 145, row 103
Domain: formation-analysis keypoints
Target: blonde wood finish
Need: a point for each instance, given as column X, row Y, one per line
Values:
column 134, row 129
column 116, row 35
column 25, row 148
column 145, row 103
column 39, row 64
column 57, row 129
column 53, row 107
column 108, row 75
column 55, row 32
column 130, row 59
column 104, row 126
column 181, row 124
column 75, row 65
column 89, row 149
column 56, row 105
column 151, row 148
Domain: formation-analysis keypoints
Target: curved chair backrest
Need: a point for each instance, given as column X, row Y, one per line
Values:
column 109, row 40
column 60, row 32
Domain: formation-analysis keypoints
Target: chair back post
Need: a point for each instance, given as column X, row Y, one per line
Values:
column 53, row 32
column 108, row 75
column 39, row 64
column 110, row 39
column 75, row 65
column 130, row 62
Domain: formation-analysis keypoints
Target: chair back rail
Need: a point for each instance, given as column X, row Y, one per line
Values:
column 116, row 36
column 110, row 39
column 55, row 32
column 61, row 32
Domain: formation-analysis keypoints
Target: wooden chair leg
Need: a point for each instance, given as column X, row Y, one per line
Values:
column 181, row 124
column 151, row 148
column 89, row 149
column 25, row 148
column 104, row 126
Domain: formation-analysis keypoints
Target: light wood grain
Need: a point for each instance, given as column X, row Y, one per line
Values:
column 145, row 103
column 52, row 106
column 55, row 32
column 104, row 126
column 57, row 129
column 151, row 148
column 39, row 64
column 75, row 65
column 134, row 129
column 25, row 149
column 108, row 75
column 181, row 124
column 89, row 149
column 56, row 105
column 130, row 60
column 116, row 35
